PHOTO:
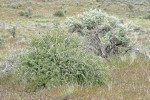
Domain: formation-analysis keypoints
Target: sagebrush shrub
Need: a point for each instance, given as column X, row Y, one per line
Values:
column 27, row 13
column 15, row 5
column 12, row 31
column 56, row 59
column 103, row 34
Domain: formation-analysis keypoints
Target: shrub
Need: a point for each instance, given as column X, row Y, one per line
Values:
column 56, row 59
column 1, row 40
column 27, row 12
column 15, row 5
column 59, row 14
column 147, row 17
column 22, row 13
column 12, row 31
column 103, row 34
column 97, row 0
column 10, row 60
column 131, row 7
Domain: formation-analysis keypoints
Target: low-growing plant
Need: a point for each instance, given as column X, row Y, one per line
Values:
column 1, row 40
column 131, row 7
column 146, row 17
column 41, row 20
column 27, row 12
column 15, row 5
column 12, row 31
column 59, row 14
column 57, row 59
column 98, row 0
column 4, row 5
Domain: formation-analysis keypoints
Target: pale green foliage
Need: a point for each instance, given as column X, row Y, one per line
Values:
column 56, row 59
column 15, row 5
column 28, row 12
column 93, row 18
column 105, row 33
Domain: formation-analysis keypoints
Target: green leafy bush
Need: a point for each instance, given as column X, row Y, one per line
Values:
column 56, row 59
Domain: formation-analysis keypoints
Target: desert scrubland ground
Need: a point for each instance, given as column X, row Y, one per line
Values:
column 128, row 79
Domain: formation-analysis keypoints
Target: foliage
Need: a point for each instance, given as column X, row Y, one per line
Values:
column 1, row 40
column 59, row 14
column 97, row 0
column 15, row 5
column 147, row 16
column 27, row 12
column 104, row 34
column 56, row 59
column 12, row 31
